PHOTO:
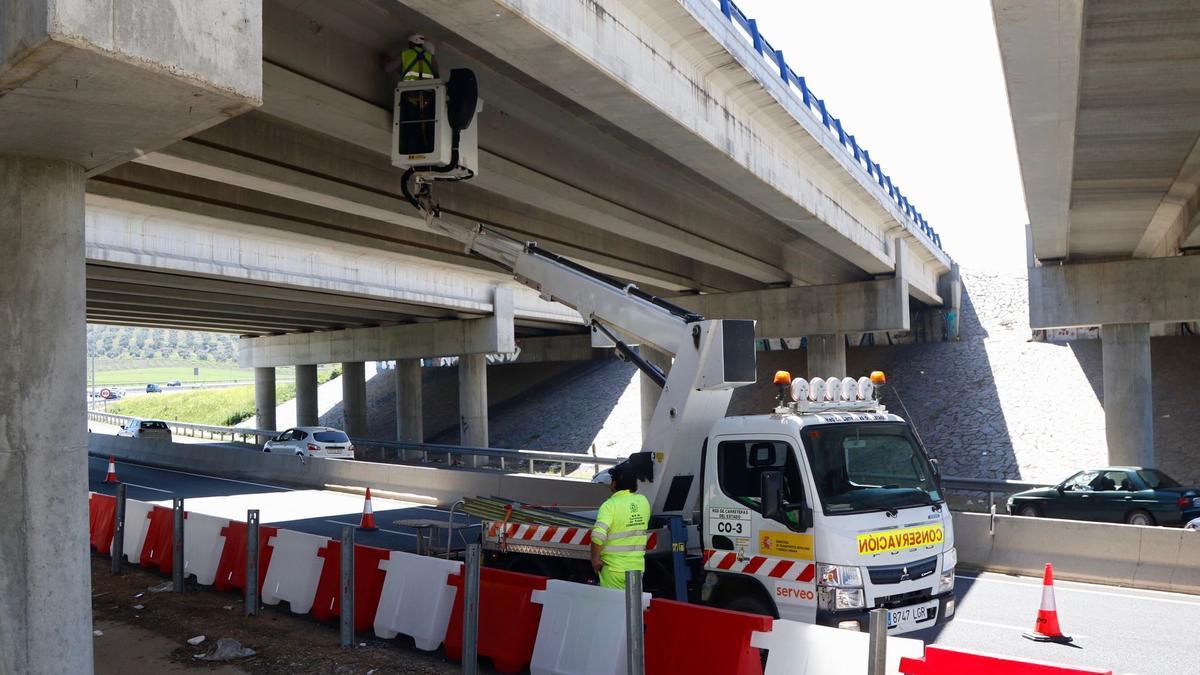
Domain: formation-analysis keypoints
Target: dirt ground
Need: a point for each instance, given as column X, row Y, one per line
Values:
column 154, row 639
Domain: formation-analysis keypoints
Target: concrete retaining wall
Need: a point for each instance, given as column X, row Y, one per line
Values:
column 444, row 485
column 1160, row 558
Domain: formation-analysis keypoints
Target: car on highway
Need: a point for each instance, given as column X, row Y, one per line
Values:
column 1115, row 494
column 1193, row 525
column 153, row 389
column 151, row 429
column 312, row 442
column 175, row 383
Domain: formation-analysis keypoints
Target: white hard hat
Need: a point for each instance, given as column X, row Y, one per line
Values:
column 416, row 39
column 603, row 477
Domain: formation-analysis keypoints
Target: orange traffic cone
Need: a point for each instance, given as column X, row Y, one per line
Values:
column 112, row 470
column 1046, row 628
column 368, row 514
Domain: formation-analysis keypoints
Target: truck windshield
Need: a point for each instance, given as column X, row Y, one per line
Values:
column 868, row 467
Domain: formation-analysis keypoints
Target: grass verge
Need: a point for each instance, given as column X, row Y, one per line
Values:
column 219, row 407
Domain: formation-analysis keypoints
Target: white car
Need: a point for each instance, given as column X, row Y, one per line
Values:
column 1193, row 525
column 152, row 429
column 312, row 442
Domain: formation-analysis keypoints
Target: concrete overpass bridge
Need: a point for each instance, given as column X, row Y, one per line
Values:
column 233, row 160
column 1103, row 99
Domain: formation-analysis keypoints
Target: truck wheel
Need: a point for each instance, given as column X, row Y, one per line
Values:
column 1139, row 517
column 751, row 604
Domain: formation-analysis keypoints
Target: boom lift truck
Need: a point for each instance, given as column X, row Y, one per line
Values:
column 818, row 510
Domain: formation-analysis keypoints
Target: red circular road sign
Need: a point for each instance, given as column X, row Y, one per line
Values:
column 105, row 393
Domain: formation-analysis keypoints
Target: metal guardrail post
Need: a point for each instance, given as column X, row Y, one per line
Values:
column 118, row 542
column 347, row 588
column 177, row 554
column 252, row 562
column 470, row 657
column 635, row 661
column 877, row 649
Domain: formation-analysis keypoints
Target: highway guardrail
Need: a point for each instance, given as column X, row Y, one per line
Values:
column 370, row 449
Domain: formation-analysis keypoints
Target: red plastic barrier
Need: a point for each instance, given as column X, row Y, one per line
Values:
column 508, row 620
column 160, row 539
column 939, row 660
column 102, row 510
column 231, row 570
column 687, row 639
column 368, row 582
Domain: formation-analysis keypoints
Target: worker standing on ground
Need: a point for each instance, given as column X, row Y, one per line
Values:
column 619, row 536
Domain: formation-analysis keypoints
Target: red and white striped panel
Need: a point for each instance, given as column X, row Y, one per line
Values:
column 552, row 534
column 774, row 568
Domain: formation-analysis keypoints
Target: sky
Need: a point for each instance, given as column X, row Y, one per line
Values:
column 919, row 84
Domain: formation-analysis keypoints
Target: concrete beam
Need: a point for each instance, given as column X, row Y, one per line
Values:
column 409, row 341
column 97, row 82
column 1148, row 290
column 861, row 307
column 307, row 404
column 264, row 398
column 556, row 348
column 354, row 398
column 1128, row 394
column 1040, row 45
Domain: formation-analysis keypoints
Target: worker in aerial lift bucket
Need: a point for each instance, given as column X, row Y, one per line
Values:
column 417, row 62
column 619, row 536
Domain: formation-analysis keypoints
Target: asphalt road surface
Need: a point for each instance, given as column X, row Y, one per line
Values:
column 321, row 512
column 1130, row 631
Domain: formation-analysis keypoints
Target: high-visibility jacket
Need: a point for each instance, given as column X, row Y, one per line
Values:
column 417, row 64
column 621, row 532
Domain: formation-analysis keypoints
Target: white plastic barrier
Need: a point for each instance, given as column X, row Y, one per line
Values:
column 202, row 546
column 415, row 599
column 582, row 630
column 808, row 649
column 295, row 569
column 137, row 523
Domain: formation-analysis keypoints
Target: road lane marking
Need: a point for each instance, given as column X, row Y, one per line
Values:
column 1073, row 587
column 379, row 529
column 147, row 487
column 992, row 624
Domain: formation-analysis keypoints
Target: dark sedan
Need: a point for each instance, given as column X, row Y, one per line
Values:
column 1116, row 494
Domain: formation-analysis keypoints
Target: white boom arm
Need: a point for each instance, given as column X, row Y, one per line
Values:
column 712, row 357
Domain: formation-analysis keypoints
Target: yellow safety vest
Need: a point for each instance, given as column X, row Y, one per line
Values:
column 621, row 532
column 418, row 64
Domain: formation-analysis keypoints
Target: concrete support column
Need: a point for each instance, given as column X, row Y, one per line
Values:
column 827, row 355
column 472, row 401
column 45, row 578
column 650, row 392
column 354, row 398
column 264, row 398
column 307, row 411
column 409, row 407
column 1128, row 402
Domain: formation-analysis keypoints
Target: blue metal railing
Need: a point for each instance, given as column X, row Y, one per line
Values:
column 816, row 106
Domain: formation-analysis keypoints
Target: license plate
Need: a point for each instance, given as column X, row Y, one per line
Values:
column 907, row 617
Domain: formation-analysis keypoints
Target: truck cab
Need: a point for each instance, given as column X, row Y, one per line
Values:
column 822, row 511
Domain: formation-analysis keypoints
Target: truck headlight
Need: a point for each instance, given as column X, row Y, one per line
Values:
column 843, row 576
column 946, row 582
column 835, row 599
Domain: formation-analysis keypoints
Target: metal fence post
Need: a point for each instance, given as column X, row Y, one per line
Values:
column 347, row 599
column 252, row 562
column 470, row 659
column 177, row 555
column 877, row 650
column 118, row 542
column 635, row 658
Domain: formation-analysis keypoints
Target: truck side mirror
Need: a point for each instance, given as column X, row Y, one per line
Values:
column 770, row 490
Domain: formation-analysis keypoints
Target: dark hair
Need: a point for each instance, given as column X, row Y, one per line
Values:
column 623, row 478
